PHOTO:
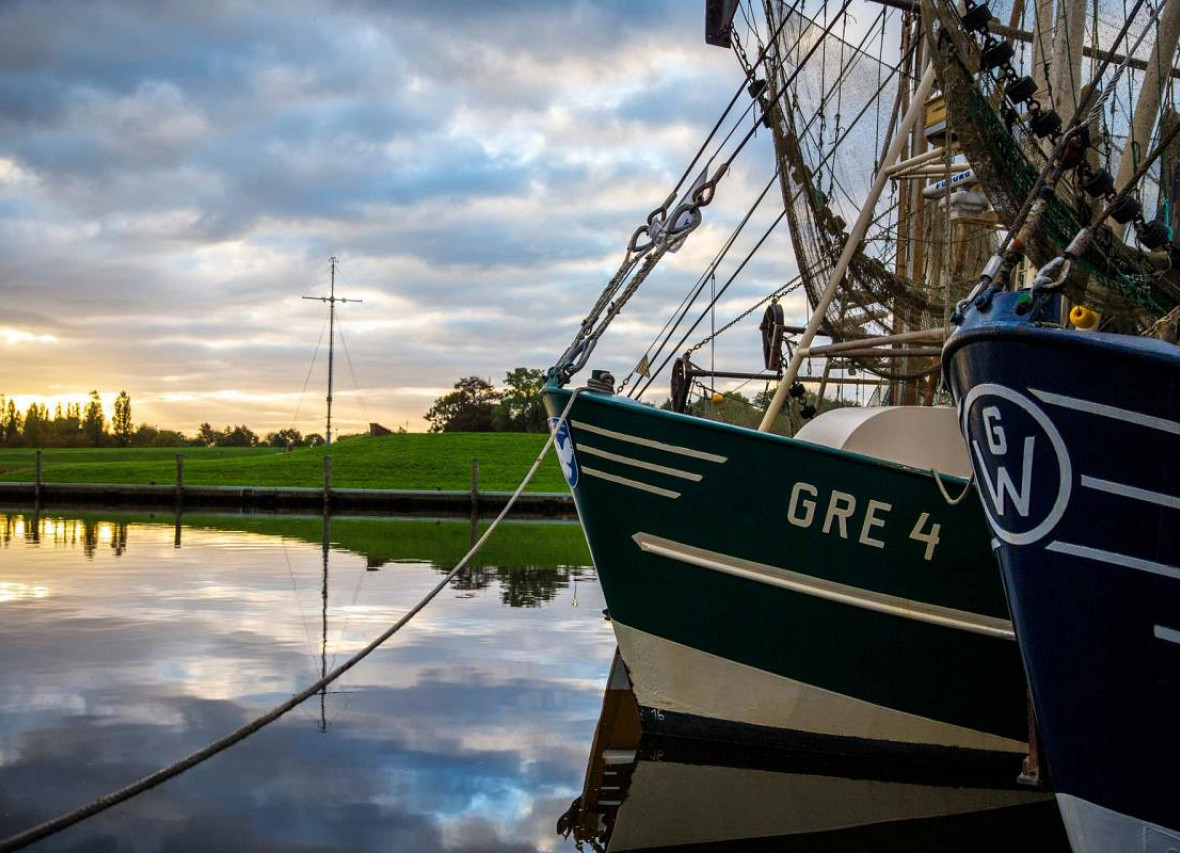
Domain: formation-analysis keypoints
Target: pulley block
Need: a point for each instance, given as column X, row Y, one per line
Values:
column 976, row 19
column 681, row 383
column 771, row 328
column 1021, row 90
column 1152, row 235
column 1124, row 209
column 995, row 55
column 1098, row 183
column 1045, row 124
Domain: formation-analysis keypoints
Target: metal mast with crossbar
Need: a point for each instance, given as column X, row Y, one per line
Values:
column 331, row 299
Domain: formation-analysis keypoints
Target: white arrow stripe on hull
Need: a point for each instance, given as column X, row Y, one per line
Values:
column 1114, row 559
column 1131, row 492
column 904, row 608
column 1089, row 406
column 647, row 442
column 639, row 463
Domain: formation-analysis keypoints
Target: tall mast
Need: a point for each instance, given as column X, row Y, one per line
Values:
column 331, row 299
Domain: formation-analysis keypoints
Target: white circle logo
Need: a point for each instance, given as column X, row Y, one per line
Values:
column 1021, row 464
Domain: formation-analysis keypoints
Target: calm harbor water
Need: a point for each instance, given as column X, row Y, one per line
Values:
column 128, row 641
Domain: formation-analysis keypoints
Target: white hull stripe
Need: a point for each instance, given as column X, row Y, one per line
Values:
column 1111, row 557
column 1108, row 411
column 647, row 442
column 639, row 463
column 904, row 608
column 1170, row 635
column 634, row 484
column 1131, row 492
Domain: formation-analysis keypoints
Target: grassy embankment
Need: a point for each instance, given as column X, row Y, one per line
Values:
column 416, row 461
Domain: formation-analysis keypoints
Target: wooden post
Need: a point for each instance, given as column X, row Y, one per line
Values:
column 37, row 482
column 327, row 485
column 179, row 481
column 475, row 488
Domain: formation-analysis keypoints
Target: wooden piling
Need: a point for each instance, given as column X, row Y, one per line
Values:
column 474, row 498
column 179, row 482
column 37, row 483
column 327, row 485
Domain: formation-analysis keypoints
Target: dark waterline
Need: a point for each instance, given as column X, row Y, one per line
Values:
column 122, row 652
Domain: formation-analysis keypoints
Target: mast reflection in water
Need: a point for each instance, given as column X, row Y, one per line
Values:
column 644, row 792
column 123, row 652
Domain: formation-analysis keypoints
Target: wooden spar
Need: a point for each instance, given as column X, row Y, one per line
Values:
column 941, row 171
column 876, row 352
column 1148, row 105
column 914, row 162
column 925, row 335
column 1067, row 58
column 917, row 110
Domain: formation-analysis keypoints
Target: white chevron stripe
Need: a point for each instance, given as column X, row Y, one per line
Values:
column 634, row 484
column 1108, row 411
column 1111, row 557
column 1131, row 492
column 1170, row 635
column 647, row 442
column 639, row 463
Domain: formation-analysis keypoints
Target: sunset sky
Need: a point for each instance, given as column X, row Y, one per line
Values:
column 175, row 176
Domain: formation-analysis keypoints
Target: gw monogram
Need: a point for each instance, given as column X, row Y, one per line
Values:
column 1017, row 437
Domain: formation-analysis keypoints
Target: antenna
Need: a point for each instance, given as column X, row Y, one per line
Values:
column 331, row 300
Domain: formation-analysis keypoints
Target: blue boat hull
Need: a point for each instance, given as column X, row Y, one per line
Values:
column 1075, row 442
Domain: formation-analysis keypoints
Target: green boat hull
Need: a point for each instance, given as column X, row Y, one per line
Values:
column 761, row 584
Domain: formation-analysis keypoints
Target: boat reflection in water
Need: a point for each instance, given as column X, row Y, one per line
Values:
column 645, row 792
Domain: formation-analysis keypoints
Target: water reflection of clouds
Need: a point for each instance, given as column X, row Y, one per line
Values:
column 468, row 731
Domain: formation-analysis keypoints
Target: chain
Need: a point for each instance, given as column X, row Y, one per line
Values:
column 785, row 290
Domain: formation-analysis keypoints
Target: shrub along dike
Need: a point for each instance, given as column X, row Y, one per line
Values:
column 398, row 473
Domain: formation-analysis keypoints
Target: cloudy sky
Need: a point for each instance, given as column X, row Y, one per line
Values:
column 175, row 176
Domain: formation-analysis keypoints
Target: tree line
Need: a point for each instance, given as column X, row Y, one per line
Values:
column 78, row 425
column 475, row 405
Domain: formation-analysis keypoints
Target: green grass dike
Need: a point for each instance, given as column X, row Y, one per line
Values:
column 420, row 462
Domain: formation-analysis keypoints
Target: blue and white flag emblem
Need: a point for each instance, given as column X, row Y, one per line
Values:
column 564, row 442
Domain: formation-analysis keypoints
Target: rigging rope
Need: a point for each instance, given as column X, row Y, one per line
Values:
column 62, row 822
column 307, row 379
column 694, row 292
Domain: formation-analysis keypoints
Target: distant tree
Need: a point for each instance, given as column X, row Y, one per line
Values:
column 37, row 426
column 313, row 439
column 11, row 423
column 94, row 421
column 521, row 408
column 149, row 435
column 170, row 438
column 206, row 435
column 237, row 436
column 121, row 426
column 66, row 429
column 466, row 409
column 283, row 437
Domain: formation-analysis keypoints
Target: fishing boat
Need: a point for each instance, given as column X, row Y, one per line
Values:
column 823, row 589
column 1072, row 416
column 650, row 792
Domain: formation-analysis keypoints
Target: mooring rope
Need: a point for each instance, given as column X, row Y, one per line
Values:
column 62, row 822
